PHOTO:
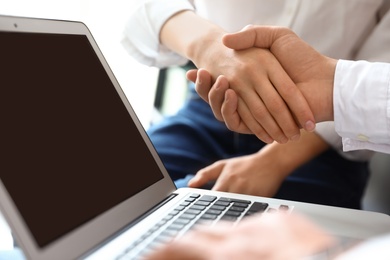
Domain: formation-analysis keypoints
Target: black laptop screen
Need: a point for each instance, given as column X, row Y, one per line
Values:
column 69, row 148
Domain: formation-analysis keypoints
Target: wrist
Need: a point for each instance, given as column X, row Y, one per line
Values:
column 201, row 43
column 282, row 163
column 329, row 102
column 325, row 112
column 190, row 43
column 292, row 155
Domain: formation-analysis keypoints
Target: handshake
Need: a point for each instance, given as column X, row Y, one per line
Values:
column 292, row 90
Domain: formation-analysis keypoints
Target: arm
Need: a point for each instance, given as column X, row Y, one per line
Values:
column 349, row 85
column 247, row 75
column 261, row 173
column 305, row 66
column 374, row 48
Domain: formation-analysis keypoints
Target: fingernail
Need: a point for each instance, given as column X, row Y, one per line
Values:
column 310, row 126
column 268, row 140
column 295, row 137
column 283, row 140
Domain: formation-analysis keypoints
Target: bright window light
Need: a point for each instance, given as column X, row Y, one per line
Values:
column 106, row 20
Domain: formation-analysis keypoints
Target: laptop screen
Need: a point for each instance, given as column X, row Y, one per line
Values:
column 69, row 148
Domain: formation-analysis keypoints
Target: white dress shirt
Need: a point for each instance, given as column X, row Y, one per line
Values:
column 361, row 101
column 352, row 29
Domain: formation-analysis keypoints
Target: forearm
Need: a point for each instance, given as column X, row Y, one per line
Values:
column 187, row 33
column 292, row 155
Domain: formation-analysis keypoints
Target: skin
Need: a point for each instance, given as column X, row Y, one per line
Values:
column 261, row 173
column 261, row 237
column 251, row 73
column 312, row 73
column 270, row 236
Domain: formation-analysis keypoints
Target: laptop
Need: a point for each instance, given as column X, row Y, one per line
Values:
column 79, row 177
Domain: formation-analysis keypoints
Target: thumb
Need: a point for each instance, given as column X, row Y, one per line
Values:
column 253, row 36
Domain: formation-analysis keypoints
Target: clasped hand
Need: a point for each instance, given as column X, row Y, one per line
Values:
column 296, row 92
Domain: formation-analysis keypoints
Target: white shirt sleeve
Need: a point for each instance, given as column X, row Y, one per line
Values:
column 374, row 48
column 142, row 30
column 326, row 130
column 362, row 105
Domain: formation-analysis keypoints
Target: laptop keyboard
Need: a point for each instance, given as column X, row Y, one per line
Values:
column 194, row 210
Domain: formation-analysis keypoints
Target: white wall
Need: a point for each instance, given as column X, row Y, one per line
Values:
column 106, row 20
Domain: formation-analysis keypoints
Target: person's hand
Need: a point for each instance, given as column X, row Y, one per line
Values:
column 259, row 81
column 312, row 72
column 220, row 98
column 268, row 236
column 252, row 174
column 257, row 77
column 261, row 173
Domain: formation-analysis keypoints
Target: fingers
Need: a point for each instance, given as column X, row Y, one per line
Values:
column 230, row 114
column 265, row 37
column 273, row 93
column 253, row 116
column 205, row 175
column 297, row 104
column 203, row 83
column 184, row 248
column 216, row 96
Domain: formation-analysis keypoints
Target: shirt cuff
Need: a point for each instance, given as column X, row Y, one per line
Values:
column 326, row 131
column 142, row 30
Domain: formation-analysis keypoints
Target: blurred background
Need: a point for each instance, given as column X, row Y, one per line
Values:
column 106, row 20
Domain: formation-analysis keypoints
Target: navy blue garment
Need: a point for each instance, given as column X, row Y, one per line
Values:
column 193, row 139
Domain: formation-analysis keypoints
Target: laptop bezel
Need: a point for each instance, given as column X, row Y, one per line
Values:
column 91, row 234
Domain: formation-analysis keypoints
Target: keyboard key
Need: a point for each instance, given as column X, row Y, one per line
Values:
column 222, row 203
column 209, row 216
column 283, row 207
column 192, row 211
column 235, row 200
column 180, row 208
column 238, row 209
column 217, row 207
column 184, row 221
column 202, row 203
column 188, row 216
column 229, row 218
column 185, row 217
column 232, row 213
column 241, row 205
column 208, row 198
column 176, row 226
column 198, row 207
column 214, row 212
column 258, row 207
column 185, row 203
